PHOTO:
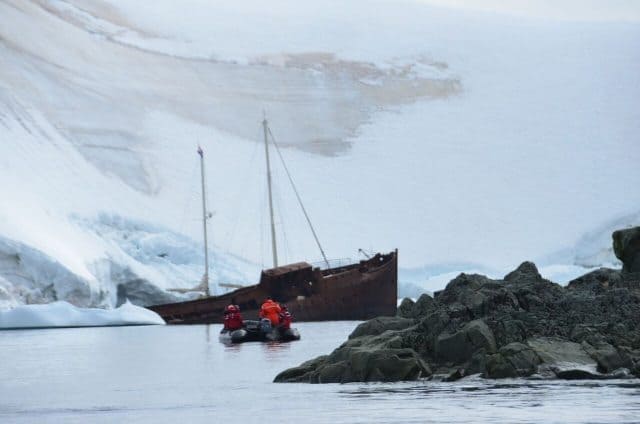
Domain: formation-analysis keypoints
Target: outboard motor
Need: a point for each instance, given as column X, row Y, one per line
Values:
column 265, row 326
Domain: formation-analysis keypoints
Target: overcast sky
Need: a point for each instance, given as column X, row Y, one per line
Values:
column 579, row 10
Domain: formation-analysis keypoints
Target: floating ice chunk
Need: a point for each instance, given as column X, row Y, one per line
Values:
column 64, row 314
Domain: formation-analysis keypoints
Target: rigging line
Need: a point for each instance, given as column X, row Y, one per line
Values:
column 295, row 190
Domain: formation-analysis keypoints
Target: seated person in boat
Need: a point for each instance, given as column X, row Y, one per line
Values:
column 271, row 311
column 232, row 318
column 285, row 318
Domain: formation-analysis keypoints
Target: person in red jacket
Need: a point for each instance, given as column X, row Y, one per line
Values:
column 232, row 318
column 271, row 311
column 285, row 318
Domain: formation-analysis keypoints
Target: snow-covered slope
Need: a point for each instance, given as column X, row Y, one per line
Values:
column 460, row 137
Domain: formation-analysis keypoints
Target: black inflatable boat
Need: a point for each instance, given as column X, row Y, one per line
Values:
column 258, row 331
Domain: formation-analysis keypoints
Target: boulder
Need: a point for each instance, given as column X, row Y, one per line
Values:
column 626, row 246
column 359, row 363
column 533, row 292
column 564, row 359
column 576, row 374
column 385, row 365
column 459, row 285
column 379, row 325
column 557, row 351
column 527, row 272
column 424, row 306
column 471, row 296
column 509, row 330
column 301, row 373
column 607, row 357
column 405, row 310
column 513, row 360
column 459, row 347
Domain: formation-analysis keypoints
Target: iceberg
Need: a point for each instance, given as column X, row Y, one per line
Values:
column 63, row 314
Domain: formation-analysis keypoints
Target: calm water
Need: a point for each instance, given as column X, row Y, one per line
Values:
column 183, row 374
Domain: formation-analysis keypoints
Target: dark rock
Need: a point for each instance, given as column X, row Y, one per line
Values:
column 302, row 373
column 405, row 310
column 520, row 326
column 597, row 281
column 478, row 363
column 332, row 373
column 577, row 374
column 379, row 325
column 584, row 333
column 386, row 365
column 499, row 367
column 554, row 351
column 533, row 292
column 522, row 357
column 456, row 375
column 513, row 360
column 607, row 357
column 626, row 246
column 510, row 331
column 527, row 272
column 424, row 306
column 460, row 346
column 363, row 359
column 462, row 283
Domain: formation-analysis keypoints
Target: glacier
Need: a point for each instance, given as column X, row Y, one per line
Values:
column 469, row 140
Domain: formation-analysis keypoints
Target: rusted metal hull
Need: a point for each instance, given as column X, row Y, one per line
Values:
column 354, row 292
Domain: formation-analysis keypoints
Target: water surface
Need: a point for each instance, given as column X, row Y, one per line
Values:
column 184, row 374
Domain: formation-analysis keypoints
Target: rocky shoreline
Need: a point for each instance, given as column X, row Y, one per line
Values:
column 520, row 326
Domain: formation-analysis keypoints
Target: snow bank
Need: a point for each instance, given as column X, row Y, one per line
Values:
column 63, row 314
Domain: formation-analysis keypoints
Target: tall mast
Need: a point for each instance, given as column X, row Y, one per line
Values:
column 273, row 225
column 205, row 277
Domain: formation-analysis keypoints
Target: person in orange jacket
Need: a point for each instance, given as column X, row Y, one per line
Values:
column 271, row 311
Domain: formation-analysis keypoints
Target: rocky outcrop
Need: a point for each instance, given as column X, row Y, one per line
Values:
column 383, row 357
column 518, row 326
column 626, row 246
column 379, row 325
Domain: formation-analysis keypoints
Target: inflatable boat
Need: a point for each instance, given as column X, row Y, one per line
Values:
column 258, row 331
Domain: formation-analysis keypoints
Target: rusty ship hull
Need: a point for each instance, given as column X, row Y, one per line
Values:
column 358, row 291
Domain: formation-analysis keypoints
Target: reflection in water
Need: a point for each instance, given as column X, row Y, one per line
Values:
column 275, row 350
column 232, row 347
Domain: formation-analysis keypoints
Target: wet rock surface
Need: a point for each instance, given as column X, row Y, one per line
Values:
column 520, row 326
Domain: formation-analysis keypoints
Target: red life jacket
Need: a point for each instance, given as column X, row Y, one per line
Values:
column 233, row 321
column 285, row 320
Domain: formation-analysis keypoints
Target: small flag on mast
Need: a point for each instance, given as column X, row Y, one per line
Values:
column 200, row 152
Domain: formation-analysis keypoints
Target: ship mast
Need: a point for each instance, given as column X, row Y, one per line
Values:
column 205, row 277
column 295, row 190
column 274, row 248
